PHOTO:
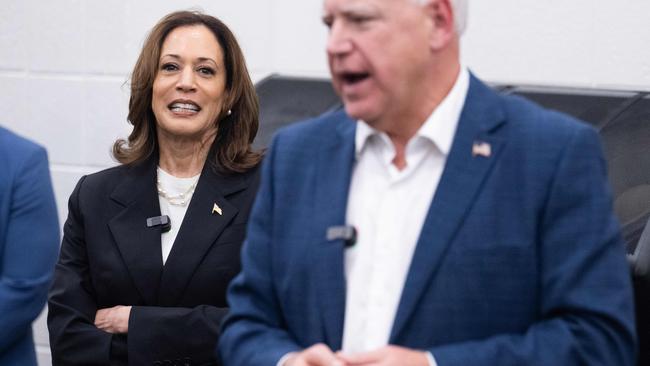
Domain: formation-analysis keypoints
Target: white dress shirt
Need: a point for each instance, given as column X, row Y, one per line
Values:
column 388, row 207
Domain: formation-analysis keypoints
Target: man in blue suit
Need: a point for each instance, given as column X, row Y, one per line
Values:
column 29, row 242
column 484, row 228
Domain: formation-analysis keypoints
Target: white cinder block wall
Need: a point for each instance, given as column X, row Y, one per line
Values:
column 64, row 63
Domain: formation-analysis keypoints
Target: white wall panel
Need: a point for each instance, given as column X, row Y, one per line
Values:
column 251, row 26
column 621, row 38
column 56, row 117
column 14, row 100
column 39, row 328
column 106, row 38
column 105, row 120
column 575, row 43
column 56, row 40
column 299, row 38
column 13, row 34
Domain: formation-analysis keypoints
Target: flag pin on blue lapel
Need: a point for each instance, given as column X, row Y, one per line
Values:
column 216, row 209
column 481, row 148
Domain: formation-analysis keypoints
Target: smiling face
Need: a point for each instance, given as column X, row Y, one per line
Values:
column 189, row 88
column 378, row 52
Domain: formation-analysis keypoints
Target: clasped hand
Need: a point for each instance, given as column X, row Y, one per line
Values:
column 321, row 355
column 113, row 320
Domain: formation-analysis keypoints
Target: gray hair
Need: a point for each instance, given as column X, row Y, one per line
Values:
column 460, row 14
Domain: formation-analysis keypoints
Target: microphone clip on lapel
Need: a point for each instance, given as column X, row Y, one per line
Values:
column 163, row 221
column 346, row 232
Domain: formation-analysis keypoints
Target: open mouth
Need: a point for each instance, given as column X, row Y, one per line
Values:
column 184, row 107
column 354, row 77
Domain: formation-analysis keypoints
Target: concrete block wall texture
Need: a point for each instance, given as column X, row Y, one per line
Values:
column 64, row 64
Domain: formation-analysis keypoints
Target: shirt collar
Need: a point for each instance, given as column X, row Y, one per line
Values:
column 439, row 127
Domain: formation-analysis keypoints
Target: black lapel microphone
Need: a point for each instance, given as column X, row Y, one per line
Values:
column 346, row 233
column 163, row 222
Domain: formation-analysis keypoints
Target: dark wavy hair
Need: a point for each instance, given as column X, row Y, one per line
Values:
column 232, row 148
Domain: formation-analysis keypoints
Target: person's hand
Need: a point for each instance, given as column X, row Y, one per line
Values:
column 113, row 320
column 316, row 355
column 386, row 356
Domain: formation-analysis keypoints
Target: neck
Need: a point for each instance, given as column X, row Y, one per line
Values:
column 434, row 87
column 401, row 127
column 183, row 158
column 399, row 160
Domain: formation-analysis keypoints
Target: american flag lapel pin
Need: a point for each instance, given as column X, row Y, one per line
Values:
column 216, row 209
column 481, row 148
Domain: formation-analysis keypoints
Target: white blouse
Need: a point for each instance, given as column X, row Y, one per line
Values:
column 173, row 187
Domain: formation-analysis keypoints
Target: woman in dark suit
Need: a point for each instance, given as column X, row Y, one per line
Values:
column 131, row 287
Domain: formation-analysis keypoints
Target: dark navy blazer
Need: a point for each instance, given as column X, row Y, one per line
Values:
column 110, row 257
column 29, row 241
column 519, row 261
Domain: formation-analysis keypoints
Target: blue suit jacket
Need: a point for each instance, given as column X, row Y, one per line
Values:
column 29, row 241
column 519, row 261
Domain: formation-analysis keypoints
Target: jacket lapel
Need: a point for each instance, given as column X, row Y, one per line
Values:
column 138, row 244
column 460, row 183
column 199, row 231
column 334, row 168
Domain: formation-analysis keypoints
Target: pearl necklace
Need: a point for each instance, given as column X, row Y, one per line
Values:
column 180, row 199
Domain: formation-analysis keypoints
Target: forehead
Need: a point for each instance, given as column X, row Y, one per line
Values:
column 334, row 6
column 197, row 40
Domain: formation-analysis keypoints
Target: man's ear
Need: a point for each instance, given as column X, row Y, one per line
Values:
column 441, row 15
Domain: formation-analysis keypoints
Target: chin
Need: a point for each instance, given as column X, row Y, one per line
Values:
column 360, row 111
column 184, row 131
